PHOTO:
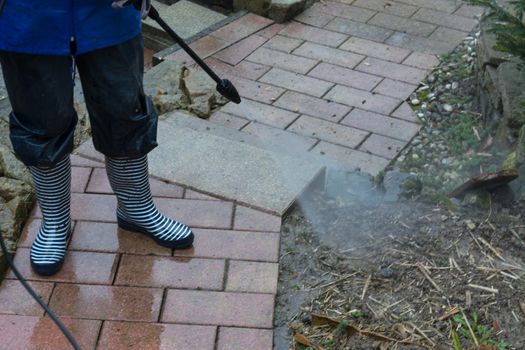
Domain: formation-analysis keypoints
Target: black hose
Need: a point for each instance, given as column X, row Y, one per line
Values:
column 30, row 290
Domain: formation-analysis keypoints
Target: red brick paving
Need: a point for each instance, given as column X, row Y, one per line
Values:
column 118, row 286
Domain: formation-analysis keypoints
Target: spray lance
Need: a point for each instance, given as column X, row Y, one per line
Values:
column 224, row 86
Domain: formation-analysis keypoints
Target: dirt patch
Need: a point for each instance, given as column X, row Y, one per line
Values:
column 406, row 270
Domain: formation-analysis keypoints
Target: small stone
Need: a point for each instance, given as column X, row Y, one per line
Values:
column 431, row 78
column 386, row 272
column 448, row 108
column 448, row 86
column 455, row 85
column 415, row 156
column 415, row 102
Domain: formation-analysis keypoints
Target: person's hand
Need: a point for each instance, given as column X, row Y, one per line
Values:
column 142, row 5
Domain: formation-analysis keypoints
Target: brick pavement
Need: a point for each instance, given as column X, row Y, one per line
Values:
column 335, row 79
column 119, row 290
column 337, row 75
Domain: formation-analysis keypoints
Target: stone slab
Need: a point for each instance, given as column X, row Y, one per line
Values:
column 221, row 163
column 181, row 16
column 230, row 169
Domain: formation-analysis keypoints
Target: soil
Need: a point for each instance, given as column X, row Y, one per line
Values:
column 355, row 257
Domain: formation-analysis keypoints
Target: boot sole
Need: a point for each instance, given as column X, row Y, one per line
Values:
column 178, row 244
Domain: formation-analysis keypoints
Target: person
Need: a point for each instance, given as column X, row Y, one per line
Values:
column 42, row 44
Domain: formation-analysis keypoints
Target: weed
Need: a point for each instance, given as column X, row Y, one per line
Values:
column 483, row 334
column 461, row 136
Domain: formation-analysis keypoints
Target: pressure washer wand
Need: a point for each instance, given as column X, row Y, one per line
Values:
column 224, row 86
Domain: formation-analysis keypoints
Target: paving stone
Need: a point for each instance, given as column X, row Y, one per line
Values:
column 29, row 232
column 347, row 11
column 344, row 76
column 358, row 29
column 470, row 11
column 450, row 35
column 240, row 50
column 261, row 113
column 278, row 139
column 14, row 299
column 395, row 88
column 164, row 272
column 79, row 178
column 272, row 30
column 328, row 131
column 380, row 124
column 241, row 28
column 282, row 60
column 405, row 112
column 245, row 69
column 392, row 70
column 244, row 338
column 99, row 183
column 387, row 6
column 41, row 333
column 219, row 308
column 239, row 245
column 421, row 60
column 296, row 82
column 447, row 6
column 421, row 44
column 228, row 120
column 79, row 267
column 401, row 24
column 254, row 277
column 446, row 20
column 363, row 99
column 77, row 160
column 356, row 160
column 317, row 35
column 382, row 146
column 140, row 336
column 95, row 207
column 283, row 43
column 249, row 219
column 203, row 47
column 189, row 194
column 255, row 90
column 107, row 302
column 329, row 55
column 375, row 49
column 315, row 107
column 315, row 16
column 106, row 237
column 249, row 174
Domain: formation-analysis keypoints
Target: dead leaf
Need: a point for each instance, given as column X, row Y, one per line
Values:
column 303, row 340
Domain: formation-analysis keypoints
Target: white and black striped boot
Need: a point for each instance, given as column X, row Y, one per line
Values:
column 136, row 211
column 53, row 190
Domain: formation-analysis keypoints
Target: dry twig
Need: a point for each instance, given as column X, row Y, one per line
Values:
column 427, row 276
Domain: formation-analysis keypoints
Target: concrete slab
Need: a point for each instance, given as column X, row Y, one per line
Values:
column 226, row 167
column 185, row 17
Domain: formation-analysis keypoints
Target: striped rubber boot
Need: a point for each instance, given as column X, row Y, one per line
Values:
column 53, row 190
column 136, row 211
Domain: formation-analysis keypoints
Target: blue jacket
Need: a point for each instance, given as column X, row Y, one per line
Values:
column 48, row 26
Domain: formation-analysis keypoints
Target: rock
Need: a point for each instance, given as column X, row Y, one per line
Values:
column 511, row 83
column 431, row 78
column 256, row 6
column 9, row 231
column 488, row 55
column 284, row 10
column 201, row 92
column 400, row 185
column 83, row 129
column 163, row 84
column 448, row 108
column 11, row 167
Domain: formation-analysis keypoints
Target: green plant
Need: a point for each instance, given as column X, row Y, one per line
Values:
column 461, row 135
column 507, row 25
column 480, row 334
